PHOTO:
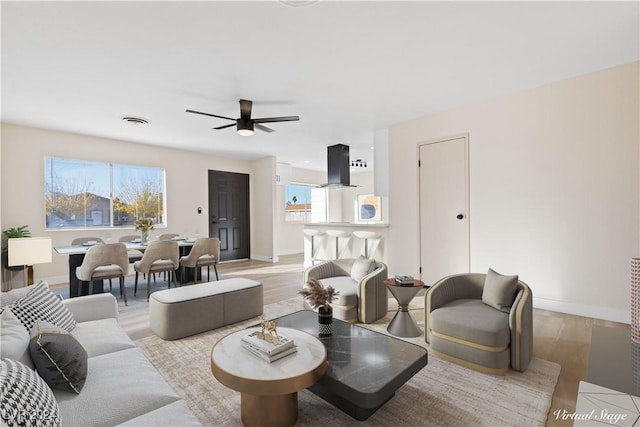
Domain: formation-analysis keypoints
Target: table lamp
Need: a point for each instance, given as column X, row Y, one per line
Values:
column 27, row 251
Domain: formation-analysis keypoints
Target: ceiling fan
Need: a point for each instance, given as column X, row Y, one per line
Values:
column 245, row 124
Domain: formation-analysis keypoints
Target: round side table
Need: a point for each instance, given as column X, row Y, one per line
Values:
column 268, row 391
column 402, row 324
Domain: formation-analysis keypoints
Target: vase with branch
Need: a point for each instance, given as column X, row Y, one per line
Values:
column 145, row 225
column 320, row 298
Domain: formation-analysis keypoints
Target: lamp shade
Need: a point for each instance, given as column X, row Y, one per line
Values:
column 29, row 251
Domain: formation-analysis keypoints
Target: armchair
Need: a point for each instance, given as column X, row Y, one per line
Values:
column 363, row 295
column 463, row 329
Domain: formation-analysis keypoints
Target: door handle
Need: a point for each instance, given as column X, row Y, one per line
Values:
column 460, row 216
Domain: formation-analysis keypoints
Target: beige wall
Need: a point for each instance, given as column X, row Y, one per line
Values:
column 554, row 189
column 23, row 152
column 263, row 194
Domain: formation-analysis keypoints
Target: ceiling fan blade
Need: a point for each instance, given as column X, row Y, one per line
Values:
column 245, row 109
column 208, row 114
column 276, row 119
column 263, row 128
column 225, row 126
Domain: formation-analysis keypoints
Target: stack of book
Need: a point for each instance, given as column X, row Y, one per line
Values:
column 404, row 280
column 266, row 350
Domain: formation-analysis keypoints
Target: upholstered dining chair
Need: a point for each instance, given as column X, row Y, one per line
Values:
column 81, row 240
column 160, row 256
column 205, row 252
column 134, row 254
column 167, row 236
column 105, row 261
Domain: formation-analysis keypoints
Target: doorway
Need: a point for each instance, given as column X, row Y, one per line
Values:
column 229, row 213
column 444, row 208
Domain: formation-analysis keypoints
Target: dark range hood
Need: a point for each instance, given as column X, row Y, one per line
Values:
column 338, row 166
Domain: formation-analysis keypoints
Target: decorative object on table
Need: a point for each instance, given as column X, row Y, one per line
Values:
column 320, row 297
column 404, row 280
column 269, row 332
column 268, row 345
column 145, row 225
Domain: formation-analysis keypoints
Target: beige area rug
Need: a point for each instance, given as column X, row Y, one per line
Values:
column 441, row 394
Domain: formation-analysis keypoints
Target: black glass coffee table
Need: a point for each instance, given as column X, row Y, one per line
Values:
column 364, row 368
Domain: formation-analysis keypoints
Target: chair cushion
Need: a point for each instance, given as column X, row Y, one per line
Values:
column 206, row 260
column 472, row 320
column 58, row 356
column 361, row 267
column 347, row 288
column 162, row 265
column 106, row 271
column 25, row 394
column 499, row 291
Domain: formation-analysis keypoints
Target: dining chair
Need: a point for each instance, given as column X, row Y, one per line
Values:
column 168, row 236
column 97, row 240
column 205, row 252
column 134, row 254
column 81, row 240
column 160, row 256
column 105, row 261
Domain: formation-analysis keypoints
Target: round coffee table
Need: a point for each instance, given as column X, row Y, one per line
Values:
column 268, row 391
column 402, row 324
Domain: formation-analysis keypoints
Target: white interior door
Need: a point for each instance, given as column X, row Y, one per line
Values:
column 444, row 208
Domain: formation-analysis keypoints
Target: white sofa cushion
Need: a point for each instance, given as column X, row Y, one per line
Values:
column 14, row 338
column 102, row 337
column 120, row 386
column 171, row 415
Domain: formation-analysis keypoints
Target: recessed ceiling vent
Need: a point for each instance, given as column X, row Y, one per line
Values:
column 135, row 121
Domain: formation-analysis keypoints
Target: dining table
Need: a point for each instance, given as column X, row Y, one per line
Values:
column 76, row 256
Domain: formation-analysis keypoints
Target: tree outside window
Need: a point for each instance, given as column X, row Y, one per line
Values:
column 82, row 194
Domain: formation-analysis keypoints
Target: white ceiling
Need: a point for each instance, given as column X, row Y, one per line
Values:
column 346, row 68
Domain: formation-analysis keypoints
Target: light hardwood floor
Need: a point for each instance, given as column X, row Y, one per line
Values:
column 558, row 337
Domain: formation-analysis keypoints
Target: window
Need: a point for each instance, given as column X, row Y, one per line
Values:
column 304, row 203
column 82, row 194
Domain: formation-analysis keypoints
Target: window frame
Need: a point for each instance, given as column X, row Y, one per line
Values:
column 90, row 211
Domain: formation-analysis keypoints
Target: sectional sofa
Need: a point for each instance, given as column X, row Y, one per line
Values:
column 121, row 386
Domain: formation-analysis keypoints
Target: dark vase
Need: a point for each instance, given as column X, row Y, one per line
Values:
column 325, row 321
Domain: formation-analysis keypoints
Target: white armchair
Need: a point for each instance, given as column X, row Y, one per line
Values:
column 363, row 295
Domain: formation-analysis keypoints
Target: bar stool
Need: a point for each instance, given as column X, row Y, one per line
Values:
column 337, row 234
column 312, row 233
column 368, row 235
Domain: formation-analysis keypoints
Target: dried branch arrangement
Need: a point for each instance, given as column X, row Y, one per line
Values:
column 317, row 295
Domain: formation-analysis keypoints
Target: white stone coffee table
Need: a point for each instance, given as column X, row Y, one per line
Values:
column 269, row 391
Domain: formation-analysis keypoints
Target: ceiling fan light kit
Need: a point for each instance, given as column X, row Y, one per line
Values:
column 245, row 124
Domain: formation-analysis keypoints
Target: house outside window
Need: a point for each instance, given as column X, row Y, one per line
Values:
column 84, row 194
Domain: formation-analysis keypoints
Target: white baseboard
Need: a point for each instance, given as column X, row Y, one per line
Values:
column 597, row 312
column 264, row 258
column 290, row 252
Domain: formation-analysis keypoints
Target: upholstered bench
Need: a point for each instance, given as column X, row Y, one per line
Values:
column 189, row 310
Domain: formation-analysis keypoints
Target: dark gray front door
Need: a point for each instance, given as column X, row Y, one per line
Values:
column 229, row 213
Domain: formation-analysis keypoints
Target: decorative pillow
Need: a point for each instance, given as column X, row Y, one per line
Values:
column 8, row 298
column 361, row 267
column 14, row 338
column 25, row 398
column 499, row 291
column 41, row 304
column 58, row 356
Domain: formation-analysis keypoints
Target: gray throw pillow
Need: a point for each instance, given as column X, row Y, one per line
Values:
column 499, row 291
column 58, row 356
column 361, row 267
column 26, row 400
